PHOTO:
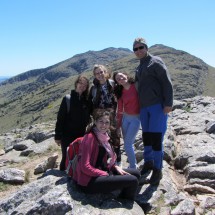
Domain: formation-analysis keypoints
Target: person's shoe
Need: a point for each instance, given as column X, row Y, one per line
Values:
column 147, row 166
column 155, row 177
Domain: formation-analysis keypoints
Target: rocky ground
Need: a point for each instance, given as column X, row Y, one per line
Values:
column 32, row 184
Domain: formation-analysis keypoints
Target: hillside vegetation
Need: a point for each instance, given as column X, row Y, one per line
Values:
column 34, row 96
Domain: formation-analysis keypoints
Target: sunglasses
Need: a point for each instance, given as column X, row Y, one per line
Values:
column 138, row 48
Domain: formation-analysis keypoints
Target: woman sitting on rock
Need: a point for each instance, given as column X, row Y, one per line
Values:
column 96, row 170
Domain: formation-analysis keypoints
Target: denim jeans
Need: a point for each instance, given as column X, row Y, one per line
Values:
column 130, row 127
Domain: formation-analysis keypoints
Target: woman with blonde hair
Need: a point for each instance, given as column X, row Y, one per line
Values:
column 102, row 97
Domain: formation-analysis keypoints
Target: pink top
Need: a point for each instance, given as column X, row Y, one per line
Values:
column 88, row 152
column 128, row 103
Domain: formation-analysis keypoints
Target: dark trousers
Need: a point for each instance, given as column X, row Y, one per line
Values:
column 106, row 184
column 118, row 153
column 115, row 142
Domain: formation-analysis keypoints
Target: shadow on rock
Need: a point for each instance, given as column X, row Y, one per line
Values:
column 143, row 198
column 63, row 178
column 54, row 172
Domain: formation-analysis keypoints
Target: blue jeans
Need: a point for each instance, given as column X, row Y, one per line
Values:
column 154, row 125
column 130, row 127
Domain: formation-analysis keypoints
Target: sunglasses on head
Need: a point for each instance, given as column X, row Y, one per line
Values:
column 138, row 48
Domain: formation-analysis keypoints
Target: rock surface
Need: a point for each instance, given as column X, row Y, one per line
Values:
column 187, row 186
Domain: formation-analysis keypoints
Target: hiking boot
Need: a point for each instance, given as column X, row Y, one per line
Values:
column 147, row 166
column 156, row 177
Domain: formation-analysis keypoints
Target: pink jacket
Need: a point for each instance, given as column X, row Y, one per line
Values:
column 88, row 152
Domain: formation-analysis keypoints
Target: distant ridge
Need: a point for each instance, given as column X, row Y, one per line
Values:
column 4, row 78
column 34, row 96
column 73, row 66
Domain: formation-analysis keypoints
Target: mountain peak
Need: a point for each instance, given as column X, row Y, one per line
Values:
column 35, row 95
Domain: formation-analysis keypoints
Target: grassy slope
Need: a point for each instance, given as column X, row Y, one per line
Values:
column 20, row 108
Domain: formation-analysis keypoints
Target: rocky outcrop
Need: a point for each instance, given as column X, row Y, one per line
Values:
column 54, row 194
column 187, row 186
column 50, row 163
column 12, row 175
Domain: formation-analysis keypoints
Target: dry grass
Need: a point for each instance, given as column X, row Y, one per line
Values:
column 28, row 167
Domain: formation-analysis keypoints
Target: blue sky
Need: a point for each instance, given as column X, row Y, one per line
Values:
column 39, row 33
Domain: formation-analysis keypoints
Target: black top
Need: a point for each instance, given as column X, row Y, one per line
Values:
column 102, row 96
column 72, row 124
column 99, row 162
column 154, row 83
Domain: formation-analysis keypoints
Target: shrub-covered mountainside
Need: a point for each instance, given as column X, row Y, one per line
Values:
column 34, row 96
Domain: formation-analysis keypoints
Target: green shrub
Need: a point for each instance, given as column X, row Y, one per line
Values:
column 3, row 186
